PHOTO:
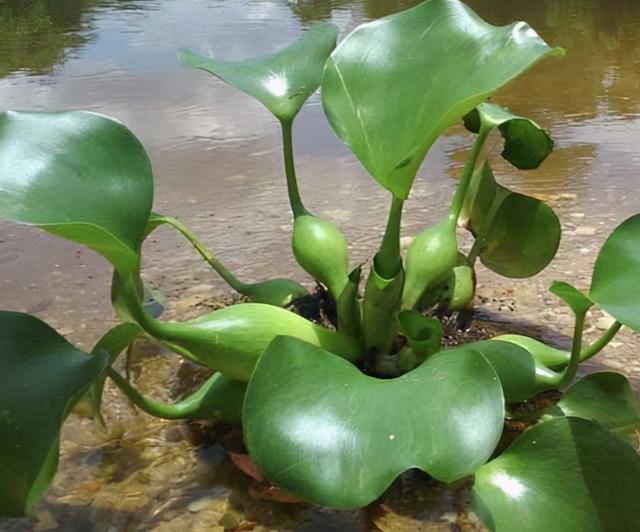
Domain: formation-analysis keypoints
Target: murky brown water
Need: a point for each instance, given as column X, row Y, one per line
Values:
column 217, row 162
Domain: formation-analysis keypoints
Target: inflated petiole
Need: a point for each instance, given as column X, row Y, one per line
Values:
column 277, row 292
column 318, row 245
column 232, row 339
column 348, row 306
column 218, row 399
column 380, row 304
column 429, row 262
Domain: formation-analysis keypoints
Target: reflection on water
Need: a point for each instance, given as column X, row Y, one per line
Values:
column 217, row 164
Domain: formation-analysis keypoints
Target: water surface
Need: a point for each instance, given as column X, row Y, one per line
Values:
column 217, row 165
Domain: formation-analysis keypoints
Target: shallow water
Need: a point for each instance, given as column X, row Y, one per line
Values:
column 218, row 166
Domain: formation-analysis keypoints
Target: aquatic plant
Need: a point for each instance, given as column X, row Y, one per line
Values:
column 335, row 415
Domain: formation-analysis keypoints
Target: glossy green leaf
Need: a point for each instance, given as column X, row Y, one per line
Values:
column 615, row 285
column 520, row 374
column 283, row 81
column 423, row 335
column 577, row 301
column 40, row 375
column 320, row 428
column 605, row 397
column 526, row 144
column 519, row 235
column 383, row 98
column 78, row 175
column 563, row 475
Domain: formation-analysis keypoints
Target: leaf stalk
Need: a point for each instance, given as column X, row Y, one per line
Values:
column 297, row 207
column 465, row 180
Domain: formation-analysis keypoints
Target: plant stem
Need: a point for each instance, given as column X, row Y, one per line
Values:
column 153, row 327
column 150, row 406
column 465, row 180
column 475, row 251
column 601, row 342
column 290, row 170
column 230, row 279
column 388, row 260
column 576, row 347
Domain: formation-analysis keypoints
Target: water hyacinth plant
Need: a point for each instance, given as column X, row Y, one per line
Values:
column 334, row 415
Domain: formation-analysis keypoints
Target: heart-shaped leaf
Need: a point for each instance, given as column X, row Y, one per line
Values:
column 526, row 144
column 564, row 475
column 283, row 81
column 41, row 375
column 320, row 428
column 78, row 175
column 519, row 235
column 383, row 99
column 615, row 285
column 605, row 397
column 520, row 374
column 423, row 334
column 576, row 300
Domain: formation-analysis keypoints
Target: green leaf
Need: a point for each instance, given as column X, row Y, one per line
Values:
column 526, row 144
column 78, row 175
column 577, row 301
column 615, row 285
column 520, row 374
column 605, row 397
column 283, row 81
column 518, row 235
column 320, row 428
column 384, row 99
column 423, row 334
column 424, row 338
column 563, row 475
column 40, row 376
